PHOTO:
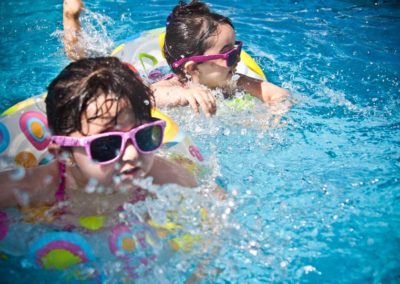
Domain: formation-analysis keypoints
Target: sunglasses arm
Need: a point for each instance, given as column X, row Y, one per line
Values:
column 67, row 141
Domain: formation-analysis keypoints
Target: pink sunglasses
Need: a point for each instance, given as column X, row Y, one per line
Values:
column 231, row 57
column 107, row 147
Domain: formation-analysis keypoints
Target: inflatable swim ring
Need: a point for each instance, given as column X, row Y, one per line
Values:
column 132, row 244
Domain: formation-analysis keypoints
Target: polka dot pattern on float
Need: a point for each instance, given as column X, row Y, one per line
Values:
column 34, row 126
column 26, row 159
column 4, row 137
column 121, row 240
column 195, row 152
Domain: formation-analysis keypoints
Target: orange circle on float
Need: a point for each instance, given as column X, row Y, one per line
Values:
column 37, row 129
column 128, row 244
column 26, row 159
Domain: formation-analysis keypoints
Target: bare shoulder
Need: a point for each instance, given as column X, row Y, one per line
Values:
column 165, row 172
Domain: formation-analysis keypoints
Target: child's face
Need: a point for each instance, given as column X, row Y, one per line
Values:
column 216, row 73
column 130, row 164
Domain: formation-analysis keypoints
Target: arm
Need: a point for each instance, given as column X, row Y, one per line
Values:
column 72, row 29
column 27, row 186
column 272, row 95
column 171, row 93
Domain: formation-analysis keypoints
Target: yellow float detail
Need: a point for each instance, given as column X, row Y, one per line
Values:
column 161, row 41
column 117, row 49
column 92, row 223
column 184, row 242
column 59, row 259
column 249, row 62
column 171, row 129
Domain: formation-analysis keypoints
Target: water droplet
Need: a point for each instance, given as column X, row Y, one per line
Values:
column 308, row 268
column 18, row 174
column 91, row 186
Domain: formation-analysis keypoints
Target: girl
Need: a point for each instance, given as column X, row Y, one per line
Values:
column 202, row 50
column 104, row 137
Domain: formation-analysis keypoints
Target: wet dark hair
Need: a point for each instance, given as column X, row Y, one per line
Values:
column 83, row 81
column 189, row 27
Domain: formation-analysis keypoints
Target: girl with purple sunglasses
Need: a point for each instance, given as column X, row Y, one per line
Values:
column 103, row 137
column 202, row 50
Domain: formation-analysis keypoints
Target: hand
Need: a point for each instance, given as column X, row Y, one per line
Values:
column 72, row 8
column 198, row 95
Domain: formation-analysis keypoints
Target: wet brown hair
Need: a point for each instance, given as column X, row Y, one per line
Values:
column 189, row 27
column 83, row 81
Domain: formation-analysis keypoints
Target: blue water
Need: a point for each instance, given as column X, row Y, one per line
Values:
column 317, row 199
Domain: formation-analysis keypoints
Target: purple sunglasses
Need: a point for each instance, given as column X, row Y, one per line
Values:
column 231, row 56
column 106, row 148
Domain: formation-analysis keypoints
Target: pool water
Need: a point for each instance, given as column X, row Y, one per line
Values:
column 316, row 198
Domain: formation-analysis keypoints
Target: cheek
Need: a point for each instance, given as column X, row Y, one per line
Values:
column 147, row 162
column 90, row 170
column 214, row 75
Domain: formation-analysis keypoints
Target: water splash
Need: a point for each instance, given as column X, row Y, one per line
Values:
column 94, row 37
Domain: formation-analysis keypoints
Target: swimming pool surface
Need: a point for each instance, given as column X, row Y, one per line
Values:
column 316, row 199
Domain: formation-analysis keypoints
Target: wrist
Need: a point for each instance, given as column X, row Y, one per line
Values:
column 71, row 15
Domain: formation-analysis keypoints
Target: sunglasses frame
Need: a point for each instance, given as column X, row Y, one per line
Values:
column 203, row 58
column 85, row 142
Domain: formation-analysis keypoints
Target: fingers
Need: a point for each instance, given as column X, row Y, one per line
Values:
column 193, row 103
column 206, row 101
column 199, row 97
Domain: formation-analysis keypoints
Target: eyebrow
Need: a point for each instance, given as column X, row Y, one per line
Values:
column 226, row 46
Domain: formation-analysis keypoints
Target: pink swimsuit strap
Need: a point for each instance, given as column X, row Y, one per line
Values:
column 60, row 194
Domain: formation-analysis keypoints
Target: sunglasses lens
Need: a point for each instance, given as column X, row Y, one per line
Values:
column 233, row 57
column 105, row 148
column 150, row 138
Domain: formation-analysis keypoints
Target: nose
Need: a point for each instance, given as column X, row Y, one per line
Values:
column 130, row 153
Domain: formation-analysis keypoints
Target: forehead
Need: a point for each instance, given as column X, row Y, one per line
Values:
column 107, row 111
column 224, row 36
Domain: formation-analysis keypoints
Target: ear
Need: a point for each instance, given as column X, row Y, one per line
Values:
column 190, row 68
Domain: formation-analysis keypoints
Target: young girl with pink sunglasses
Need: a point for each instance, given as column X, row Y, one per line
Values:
column 103, row 137
column 202, row 50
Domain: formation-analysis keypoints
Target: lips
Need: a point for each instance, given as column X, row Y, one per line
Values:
column 131, row 172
